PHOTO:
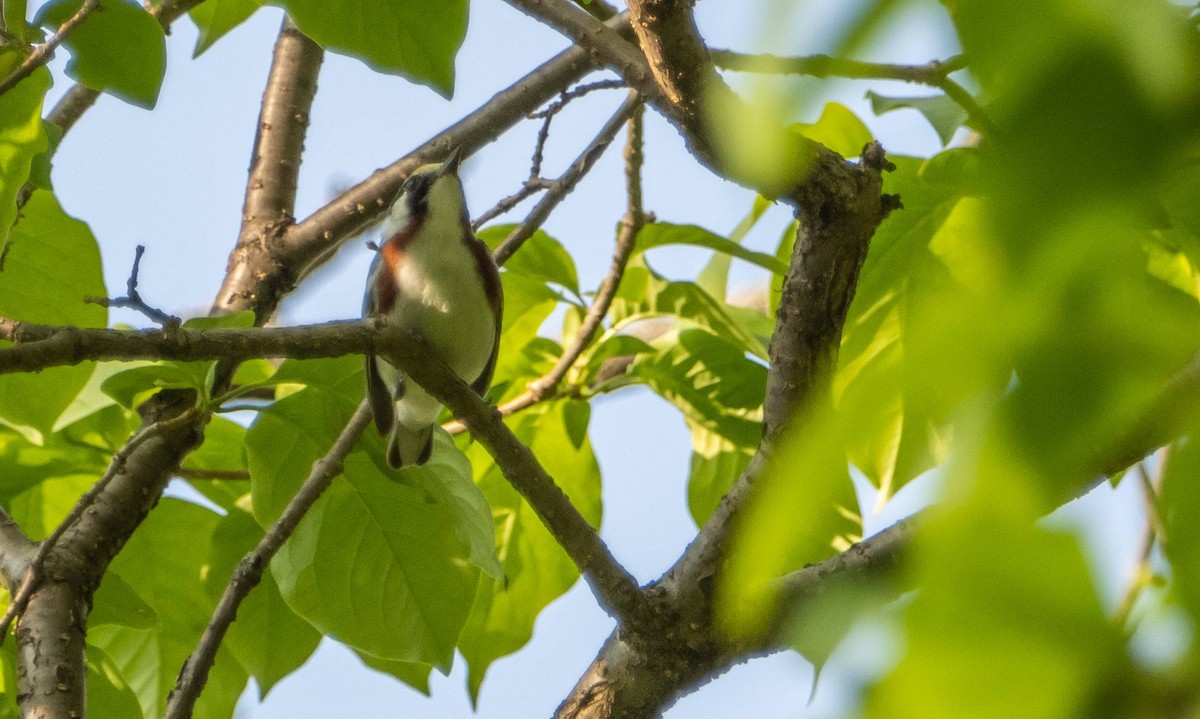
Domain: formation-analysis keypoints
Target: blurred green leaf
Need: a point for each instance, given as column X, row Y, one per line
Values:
column 14, row 19
column 214, row 18
column 115, row 602
column 416, row 39
column 37, row 286
column 120, row 50
column 40, row 166
column 803, row 509
column 536, row 569
column 839, row 129
column 107, row 693
column 268, row 639
column 1012, row 627
column 224, row 448
column 943, row 113
column 1180, row 505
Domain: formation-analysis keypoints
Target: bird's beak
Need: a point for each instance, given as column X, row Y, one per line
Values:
column 450, row 166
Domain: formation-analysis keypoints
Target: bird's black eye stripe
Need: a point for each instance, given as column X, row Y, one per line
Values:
column 416, row 189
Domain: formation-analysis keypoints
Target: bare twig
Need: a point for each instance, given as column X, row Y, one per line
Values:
column 566, row 182
column 535, row 181
column 33, row 574
column 42, row 53
column 1153, row 533
column 315, row 238
column 133, row 299
column 249, row 571
column 544, row 387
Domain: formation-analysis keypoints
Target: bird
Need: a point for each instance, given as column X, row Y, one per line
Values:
column 432, row 275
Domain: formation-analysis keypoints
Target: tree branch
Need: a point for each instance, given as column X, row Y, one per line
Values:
column 319, row 235
column 274, row 169
column 44, row 52
column 631, row 225
column 249, row 571
column 560, row 188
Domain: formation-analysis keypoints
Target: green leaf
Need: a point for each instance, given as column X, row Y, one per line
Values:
column 22, row 134
column 43, row 506
column 710, row 380
column 1021, row 600
column 214, row 18
column 115, row 602
column 412, row 38
column 645, row 292
column 716, row 463
column 26, row 465
column 165, row 563
column 414, row 674
column 268, row 639
column 839, row 129
column 527, row 304
column 14, row 19
column 661, row 234
column 38, row 286
column 40, row 167
column 803, row 510
column 120, row 50
column 107, row 693
column 536, row 569
column 943, row 113
column 224, row 448
column 1181, row 509
column 612, row 344
column 541, row 257
column 402, row 548
column 714, row 277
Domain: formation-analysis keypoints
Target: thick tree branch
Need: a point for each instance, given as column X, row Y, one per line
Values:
column 249, row 571
column 616, row 589
column 560, row 188
column 44, row 52
column 274, row 169
column 320, row 234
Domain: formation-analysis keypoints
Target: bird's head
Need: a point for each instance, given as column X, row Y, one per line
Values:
column 430, row 192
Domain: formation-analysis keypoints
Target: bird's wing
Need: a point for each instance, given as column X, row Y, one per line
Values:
column 381, row 399
column 495, row 295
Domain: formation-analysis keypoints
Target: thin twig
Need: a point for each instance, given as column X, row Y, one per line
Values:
column 535, row 181
column 33, row 575
column 544, row 387
column 249, row 571
column 566, row 182
column 133, row 300
column 1154, row 532
column 44, row 52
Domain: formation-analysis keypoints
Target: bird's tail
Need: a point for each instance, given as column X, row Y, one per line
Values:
column 409, row 446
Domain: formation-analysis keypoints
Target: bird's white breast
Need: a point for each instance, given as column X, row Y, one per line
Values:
column 440, row 293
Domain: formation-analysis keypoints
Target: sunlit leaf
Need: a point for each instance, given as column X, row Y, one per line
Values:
column 214, row 18
column 838, row 129
column 412, row 38
column 120, row 50
column 22, row 134
column 943, row 113
column 536, row 569
column 37, row 286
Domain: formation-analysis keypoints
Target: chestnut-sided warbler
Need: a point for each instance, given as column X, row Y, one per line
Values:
column 434, row 276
